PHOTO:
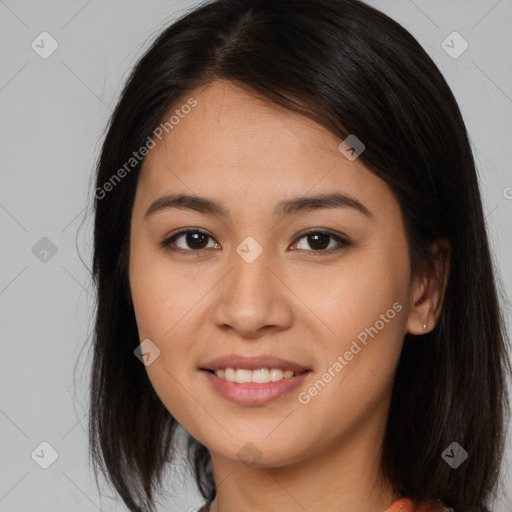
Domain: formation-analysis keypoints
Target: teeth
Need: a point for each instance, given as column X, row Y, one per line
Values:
column 260, row 376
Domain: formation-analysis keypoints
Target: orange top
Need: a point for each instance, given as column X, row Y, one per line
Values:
column 407, row 505
column 400, row 505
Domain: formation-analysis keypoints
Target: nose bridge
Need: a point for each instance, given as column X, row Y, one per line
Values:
column 251, row 297
column 250, row 278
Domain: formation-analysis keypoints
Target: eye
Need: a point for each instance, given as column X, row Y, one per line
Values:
column 320, row 241
column 194, row 238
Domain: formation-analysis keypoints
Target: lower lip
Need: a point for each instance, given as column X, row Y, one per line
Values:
column 250, row 393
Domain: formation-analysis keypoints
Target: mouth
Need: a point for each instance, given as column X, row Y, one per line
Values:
column 254, row 380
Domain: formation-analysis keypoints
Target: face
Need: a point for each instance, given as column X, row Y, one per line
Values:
column 319, row 288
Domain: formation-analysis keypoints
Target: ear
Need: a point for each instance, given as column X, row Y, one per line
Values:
column 428, row 289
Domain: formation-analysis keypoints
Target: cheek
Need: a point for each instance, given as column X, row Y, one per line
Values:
column 363, row 305
column 168, row 308
column 159, row 291
column 163, row 306
column 352, row 297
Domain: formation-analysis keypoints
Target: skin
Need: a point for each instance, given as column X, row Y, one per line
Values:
column 292, row 301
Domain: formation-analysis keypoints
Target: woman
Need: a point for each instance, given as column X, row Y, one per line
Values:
column 292, row 264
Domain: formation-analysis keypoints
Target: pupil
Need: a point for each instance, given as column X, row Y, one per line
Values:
column 315, row 238
column 194, row 237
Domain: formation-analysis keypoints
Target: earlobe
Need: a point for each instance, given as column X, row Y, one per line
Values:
column 428, row 291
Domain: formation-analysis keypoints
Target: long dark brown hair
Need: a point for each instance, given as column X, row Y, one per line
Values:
column 353, row 70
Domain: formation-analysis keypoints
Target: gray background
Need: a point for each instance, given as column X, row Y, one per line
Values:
column 53, row 112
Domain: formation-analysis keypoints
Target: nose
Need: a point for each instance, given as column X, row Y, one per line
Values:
column 252, row 300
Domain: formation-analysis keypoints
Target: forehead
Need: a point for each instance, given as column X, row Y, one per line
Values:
column 234, row 144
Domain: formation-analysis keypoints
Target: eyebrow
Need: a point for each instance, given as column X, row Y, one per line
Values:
column 287, row 207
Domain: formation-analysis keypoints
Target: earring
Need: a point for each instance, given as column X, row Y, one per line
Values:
column 425, row 326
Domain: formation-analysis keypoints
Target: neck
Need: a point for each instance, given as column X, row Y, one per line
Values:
column 343, row 477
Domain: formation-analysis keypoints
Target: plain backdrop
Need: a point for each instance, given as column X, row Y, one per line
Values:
column 53, row 112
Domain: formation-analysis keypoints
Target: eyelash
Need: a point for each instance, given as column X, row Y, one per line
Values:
column 167, row 242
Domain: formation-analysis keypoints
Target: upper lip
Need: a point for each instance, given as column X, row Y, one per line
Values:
column 236, row 361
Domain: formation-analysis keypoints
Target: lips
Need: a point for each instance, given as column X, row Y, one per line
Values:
column 252, row 393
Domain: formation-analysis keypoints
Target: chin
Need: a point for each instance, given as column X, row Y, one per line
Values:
column 260, row 452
